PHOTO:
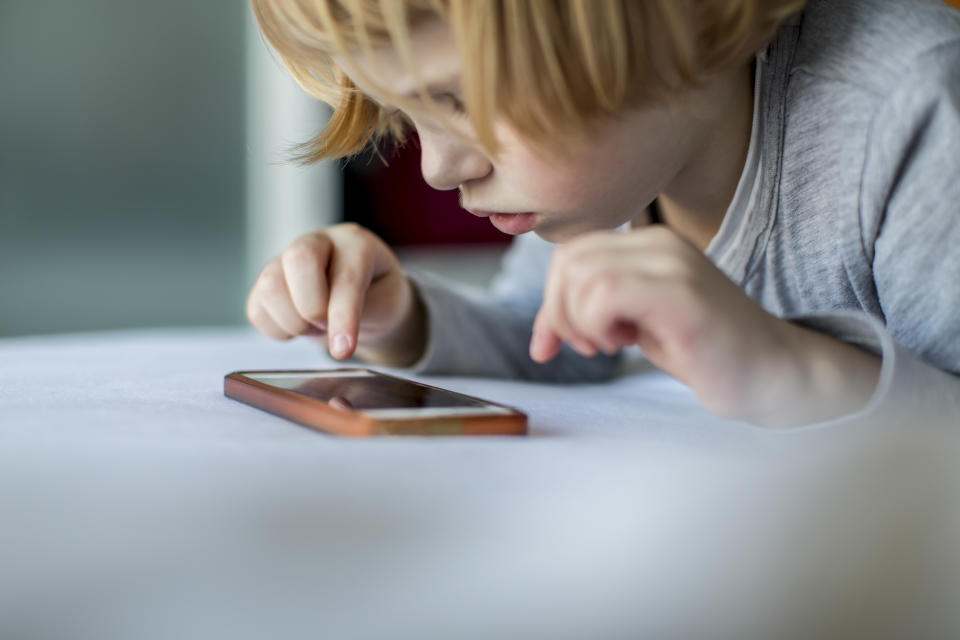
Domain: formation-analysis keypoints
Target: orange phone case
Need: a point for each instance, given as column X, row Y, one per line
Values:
column 317, row 414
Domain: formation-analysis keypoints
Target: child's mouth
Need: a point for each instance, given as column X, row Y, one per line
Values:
column 512, row 223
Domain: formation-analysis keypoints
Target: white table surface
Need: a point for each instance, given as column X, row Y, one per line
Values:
column 136, row 501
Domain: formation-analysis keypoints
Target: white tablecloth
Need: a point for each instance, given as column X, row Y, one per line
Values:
column 138, row 502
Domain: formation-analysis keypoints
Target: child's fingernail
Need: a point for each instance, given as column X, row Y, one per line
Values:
column 340, row 346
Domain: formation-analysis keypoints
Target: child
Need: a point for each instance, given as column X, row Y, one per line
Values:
column 763, row 195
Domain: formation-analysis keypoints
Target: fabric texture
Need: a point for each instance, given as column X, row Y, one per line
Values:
column 852, row 228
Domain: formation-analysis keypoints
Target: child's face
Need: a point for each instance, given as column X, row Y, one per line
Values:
column 599, row 185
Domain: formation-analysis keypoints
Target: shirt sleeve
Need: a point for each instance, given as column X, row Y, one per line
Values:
column 910, row 229
column 911, row 208
column 487, row 333
column 909, row 390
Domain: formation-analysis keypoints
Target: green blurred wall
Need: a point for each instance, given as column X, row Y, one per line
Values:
column 121, row 164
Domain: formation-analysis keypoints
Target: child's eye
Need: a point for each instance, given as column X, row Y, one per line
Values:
column 451, row 100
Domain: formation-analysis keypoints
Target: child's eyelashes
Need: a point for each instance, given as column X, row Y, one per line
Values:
column 447, row 100
column 452, row 101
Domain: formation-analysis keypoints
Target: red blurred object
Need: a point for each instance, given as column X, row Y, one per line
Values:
column 394, row 201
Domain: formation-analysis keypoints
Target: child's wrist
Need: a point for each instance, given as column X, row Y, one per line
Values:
column 404, row 343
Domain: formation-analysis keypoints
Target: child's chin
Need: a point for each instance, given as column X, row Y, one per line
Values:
column 555, row 231
column 551, row 235
column 560, row 233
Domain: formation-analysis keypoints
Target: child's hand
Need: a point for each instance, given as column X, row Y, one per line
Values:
column 342, row 283
column 653, row 288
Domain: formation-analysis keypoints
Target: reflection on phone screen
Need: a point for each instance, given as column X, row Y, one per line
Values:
column 369, row 392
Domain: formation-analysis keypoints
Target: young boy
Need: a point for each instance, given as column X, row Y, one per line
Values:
column 763, row 195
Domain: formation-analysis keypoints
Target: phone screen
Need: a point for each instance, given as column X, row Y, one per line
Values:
column 368, row 392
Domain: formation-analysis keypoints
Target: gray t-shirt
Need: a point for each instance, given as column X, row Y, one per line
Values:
column 852, row 227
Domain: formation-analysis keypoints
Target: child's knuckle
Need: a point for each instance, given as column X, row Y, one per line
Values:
column 604, row 286
column 351, row 230
column 272, row 280
column 674, row 267
column 301, row 256
column 256, row 314
column 594, row 318
column 314, row 312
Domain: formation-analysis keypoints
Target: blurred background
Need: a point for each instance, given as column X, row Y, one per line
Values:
column 143, row 173
column 143, row 179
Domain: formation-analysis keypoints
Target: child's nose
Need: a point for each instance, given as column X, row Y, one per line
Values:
column 448, row 162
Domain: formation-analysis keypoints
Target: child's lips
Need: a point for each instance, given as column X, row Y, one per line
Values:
column 512, row 223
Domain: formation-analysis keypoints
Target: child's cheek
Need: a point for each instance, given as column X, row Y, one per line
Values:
column 550, row 185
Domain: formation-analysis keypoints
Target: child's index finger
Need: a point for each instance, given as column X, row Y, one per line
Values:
column 349, row 281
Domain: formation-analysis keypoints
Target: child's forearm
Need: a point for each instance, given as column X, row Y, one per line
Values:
column 405, row 344
column 822, row 378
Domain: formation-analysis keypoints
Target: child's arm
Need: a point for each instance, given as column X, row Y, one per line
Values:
column 653, row 288
column 488, row 334
column 346, row 287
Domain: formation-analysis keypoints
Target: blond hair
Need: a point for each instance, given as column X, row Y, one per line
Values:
column 545, row 66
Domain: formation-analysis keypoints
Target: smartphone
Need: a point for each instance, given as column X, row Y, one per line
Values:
column 363, row 402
